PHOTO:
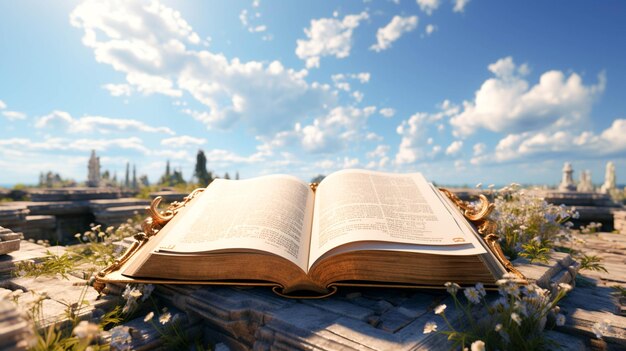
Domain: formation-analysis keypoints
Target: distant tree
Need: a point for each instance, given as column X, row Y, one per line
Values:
column 134, row 177
column 318, row 179
column 203, row 176
column 106, row 175
column 226, row 176
column 237, row 175
column 143, row 180
column 127, row 178
column 177, row 178
column 168, row 177
column 42, row 179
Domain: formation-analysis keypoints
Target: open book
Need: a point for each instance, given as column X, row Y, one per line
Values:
column 356, row 227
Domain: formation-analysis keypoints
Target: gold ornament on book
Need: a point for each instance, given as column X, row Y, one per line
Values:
column 150, row 226
column 479, row 216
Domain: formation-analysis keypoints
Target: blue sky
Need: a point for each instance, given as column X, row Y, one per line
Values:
column 462, row 91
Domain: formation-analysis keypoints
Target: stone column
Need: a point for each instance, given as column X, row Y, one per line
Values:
column 609, row 178
column 567, row 183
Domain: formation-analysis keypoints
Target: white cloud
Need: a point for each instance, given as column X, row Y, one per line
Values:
column 358, row 96
column 393, row 31
column 387, row 112
column 89, row 124
column 257, row 29
column 340, row 80
column 479, row 149
column 118, row 89
column 183, row 141
column 332, row 133
column 414, row 133
column 546, row 144
column 13, row 115
column 2, row 105
column 428, row 6
column 430, row 29
column 380, row 151
column 328, row 37
column 245, row 18
column 378, row 157
column 157, row 50
column 63, row 144
column 507, row 103
column 454, row 148
column 459, row 5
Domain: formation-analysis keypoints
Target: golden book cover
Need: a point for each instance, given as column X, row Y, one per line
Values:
column 356, row 227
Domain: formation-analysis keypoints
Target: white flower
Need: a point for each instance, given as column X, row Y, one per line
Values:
column 452, row 288
column 86, row 330
column 498, row 327
column 481, row 289
column 148, row 317
column 430, row 327
column 165, row 318
column 516, row 318
column 521, row 307
column 439, row 309
column 560, row 319
column 472, row 295
column 478, row 345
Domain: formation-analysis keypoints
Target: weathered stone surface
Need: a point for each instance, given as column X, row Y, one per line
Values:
column 560, row 268
column 114, row 216
column 619, row 221
column 169, row 195
column 74, row 194
column 15, row 331
column 9, row 241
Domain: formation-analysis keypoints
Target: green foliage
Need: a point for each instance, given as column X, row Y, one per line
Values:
column 20, row 186
column 591, row 263
column 536, row 251
column 201, row 174
column 52, row 265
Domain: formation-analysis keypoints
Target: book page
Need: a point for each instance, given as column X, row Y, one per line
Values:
column 271, row 213
column 358, row 205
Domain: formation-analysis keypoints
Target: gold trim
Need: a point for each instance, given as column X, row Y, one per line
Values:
column 151, row 227
column 313, row 186
column 479, row 216
column 277, row 289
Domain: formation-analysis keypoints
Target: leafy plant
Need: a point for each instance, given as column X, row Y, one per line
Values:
column 51, row 266
column 592, row 263
column 536, row 251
